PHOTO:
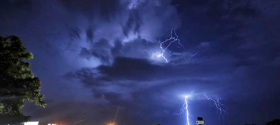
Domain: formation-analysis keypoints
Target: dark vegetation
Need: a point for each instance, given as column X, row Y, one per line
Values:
column 17, row 82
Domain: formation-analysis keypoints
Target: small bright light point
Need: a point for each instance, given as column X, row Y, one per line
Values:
column 158, row 56
column 31, row 123
column 187, row 96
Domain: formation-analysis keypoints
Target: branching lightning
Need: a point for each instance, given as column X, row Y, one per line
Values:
column 164, row 45
column 185, row 110
column 217, row 102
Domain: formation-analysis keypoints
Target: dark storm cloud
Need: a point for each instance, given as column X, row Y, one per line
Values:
column 90, row 34
column 126, row 69
column 106, row 49
column 101, row 50
column 137, row 48
column 134, row 81
column 240, row 28
column 238, row 55
column 75, row 33
column 94, row 8
column 130, row 75
column 133, row 22
column 137, row 25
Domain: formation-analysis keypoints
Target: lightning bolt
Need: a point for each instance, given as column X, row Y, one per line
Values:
column 187, row 110
column 164, row 45
column 217, row 102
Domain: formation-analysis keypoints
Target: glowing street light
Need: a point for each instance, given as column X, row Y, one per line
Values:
column 51, row 124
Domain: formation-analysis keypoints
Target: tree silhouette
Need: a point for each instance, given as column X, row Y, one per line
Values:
column 17, row 82
column 274, row 122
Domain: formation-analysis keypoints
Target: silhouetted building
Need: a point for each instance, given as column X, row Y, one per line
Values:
column 200, row 121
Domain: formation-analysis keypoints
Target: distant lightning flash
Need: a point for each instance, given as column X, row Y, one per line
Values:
column 169, row 41
column 219, row 106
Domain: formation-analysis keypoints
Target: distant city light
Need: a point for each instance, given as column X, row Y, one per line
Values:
column 31, row 123
column 112, row 123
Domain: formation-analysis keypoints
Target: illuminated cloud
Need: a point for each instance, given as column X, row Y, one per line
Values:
column 95, row 55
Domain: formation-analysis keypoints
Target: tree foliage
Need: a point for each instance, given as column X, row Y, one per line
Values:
column 17, row 82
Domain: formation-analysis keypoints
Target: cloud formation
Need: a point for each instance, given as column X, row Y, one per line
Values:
column 94, row 56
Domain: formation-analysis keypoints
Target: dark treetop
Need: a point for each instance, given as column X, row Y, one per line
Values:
column 17, row 82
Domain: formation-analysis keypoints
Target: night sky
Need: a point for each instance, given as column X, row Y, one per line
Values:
column 98, row 60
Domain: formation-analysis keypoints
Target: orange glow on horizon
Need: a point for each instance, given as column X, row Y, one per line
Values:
column 112, row 123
